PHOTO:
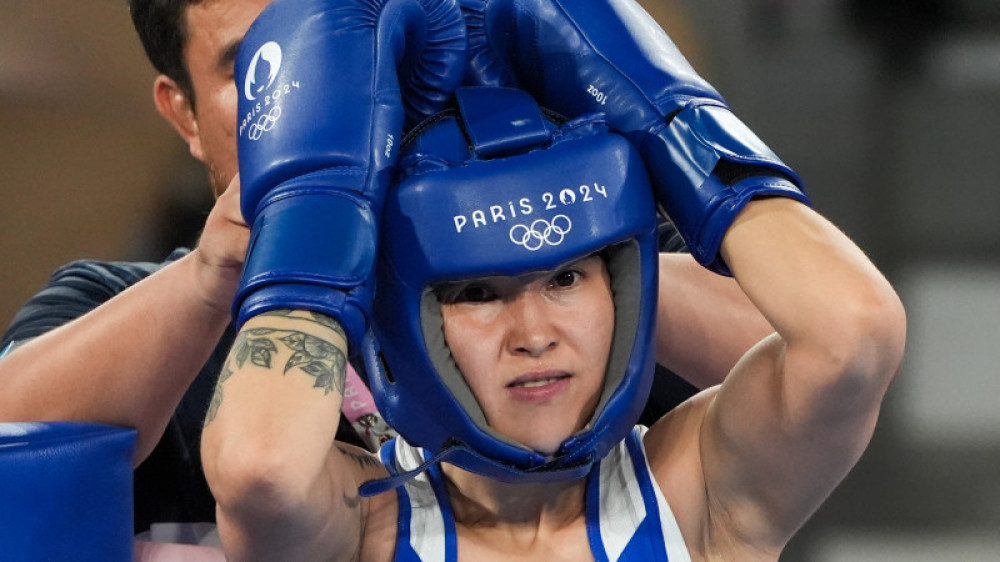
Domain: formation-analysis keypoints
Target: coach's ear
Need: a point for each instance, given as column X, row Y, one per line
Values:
column 175, row 106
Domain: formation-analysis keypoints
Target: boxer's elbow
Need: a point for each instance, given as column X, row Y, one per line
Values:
column 864, row 342
column 254, row 482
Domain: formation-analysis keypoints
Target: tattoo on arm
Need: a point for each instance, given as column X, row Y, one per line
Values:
column 317, row 317
column 285, row 312
column 318, row 358
column 353, row 500
column 213, row 406
column 365, row 461
column 329, row 323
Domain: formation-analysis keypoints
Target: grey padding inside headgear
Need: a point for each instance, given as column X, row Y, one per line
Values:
column 623, row 263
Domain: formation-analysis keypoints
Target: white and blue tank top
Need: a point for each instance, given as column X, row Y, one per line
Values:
column 627, row 517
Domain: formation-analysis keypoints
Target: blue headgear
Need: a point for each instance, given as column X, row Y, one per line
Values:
column 496, row 188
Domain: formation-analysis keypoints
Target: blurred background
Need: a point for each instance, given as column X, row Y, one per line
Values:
column 889, row 109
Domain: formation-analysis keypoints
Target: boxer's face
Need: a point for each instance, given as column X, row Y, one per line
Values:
column 534, row 349
column 214, row 31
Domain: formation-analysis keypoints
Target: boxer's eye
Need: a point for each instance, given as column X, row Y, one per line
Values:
column 466, row 293
column 476, row 293
column 566, row 278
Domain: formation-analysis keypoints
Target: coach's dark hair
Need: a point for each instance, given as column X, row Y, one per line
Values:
column 162, row 28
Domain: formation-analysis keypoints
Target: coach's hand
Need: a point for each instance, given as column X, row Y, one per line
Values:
column 221, row 250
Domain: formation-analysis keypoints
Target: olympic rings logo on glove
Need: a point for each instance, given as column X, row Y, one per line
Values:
column 264, row 124
column 541, row 232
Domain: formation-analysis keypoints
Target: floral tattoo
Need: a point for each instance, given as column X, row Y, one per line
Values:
column 316, row 357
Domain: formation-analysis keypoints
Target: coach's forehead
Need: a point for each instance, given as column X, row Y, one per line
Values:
column 220, row 23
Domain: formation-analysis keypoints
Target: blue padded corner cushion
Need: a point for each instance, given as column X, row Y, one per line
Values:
column 66, row 491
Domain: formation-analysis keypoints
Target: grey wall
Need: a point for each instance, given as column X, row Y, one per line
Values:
column 892, row 119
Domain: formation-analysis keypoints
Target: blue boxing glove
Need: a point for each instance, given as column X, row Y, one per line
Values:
column 582, row 56
column 321, row 88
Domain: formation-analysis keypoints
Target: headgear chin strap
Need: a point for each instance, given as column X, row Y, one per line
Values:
column 497, row 189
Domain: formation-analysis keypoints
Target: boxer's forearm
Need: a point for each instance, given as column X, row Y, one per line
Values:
column 268, row 436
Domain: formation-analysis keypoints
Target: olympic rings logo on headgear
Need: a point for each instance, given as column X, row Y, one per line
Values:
column 541, row 232
column 264, row 124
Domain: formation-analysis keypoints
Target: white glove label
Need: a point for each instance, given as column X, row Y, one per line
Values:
column 388, row 145
column 270, row 53
column 264, row 113
column 598, row 95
